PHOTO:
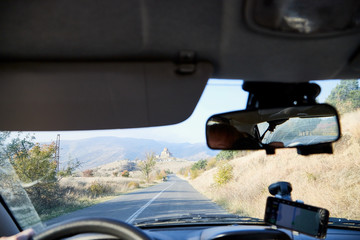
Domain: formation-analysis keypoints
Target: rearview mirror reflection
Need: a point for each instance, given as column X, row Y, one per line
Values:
column 276, row 128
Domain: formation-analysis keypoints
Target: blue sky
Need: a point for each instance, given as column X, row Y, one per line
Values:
column 218, row 96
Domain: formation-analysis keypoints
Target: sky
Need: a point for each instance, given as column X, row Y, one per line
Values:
column 218, row 96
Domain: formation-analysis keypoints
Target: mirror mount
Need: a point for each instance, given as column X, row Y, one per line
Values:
column 306, row 150
column 263, row 95
column 270, row 150
column 315, row 149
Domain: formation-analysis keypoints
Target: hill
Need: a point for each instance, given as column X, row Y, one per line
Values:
column 92, row 152
column 329, row 181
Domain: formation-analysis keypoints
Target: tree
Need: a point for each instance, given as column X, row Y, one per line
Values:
column 345, row 96
column 226, row 155
column 32, row 162
column 71, row 166
column 147, row 166
column 3, row 136
column 201, row 164
column 35, row 166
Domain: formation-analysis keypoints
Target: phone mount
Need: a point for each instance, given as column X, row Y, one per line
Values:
column 281, row 190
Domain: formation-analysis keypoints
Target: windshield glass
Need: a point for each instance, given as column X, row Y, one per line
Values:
column 168, row 174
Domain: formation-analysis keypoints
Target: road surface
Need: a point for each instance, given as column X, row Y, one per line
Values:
column 173, row 198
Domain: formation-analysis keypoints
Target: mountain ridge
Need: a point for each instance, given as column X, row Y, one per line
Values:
column 92, row 152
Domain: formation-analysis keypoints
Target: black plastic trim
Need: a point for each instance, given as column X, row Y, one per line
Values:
column 7, row 209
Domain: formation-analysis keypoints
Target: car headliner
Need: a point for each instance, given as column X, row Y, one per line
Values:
column 55, row 53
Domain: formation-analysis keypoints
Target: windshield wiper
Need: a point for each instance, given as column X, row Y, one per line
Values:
column 199, row 218
column 343, row 222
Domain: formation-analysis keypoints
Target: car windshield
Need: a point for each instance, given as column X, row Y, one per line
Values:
column 166, row 175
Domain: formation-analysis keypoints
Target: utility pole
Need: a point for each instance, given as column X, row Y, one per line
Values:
column 57, row 153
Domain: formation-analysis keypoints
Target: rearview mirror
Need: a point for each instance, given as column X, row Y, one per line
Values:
column 273, row 128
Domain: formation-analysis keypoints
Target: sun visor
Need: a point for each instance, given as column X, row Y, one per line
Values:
column 94, row 95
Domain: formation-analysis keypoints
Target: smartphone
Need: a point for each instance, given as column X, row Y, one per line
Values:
column 296, row 216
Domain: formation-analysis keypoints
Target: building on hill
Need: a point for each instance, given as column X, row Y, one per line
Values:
column 165, row 155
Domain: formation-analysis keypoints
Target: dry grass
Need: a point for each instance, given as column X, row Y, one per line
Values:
column 103, row 175
column 351, row 124
column 329, row 181
column 79, row 191
column 108, row 170
column 80, row 185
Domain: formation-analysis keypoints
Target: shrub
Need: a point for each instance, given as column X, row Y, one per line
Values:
column 183, row 171
column 88, row 173
column 311, row 176
column 115, row 174
column 97, row 189
column 195, row 173
column 211, row 163
column 45, row 196
column 133, row 185
column 224, row 174
column 81, row 184
column 160, row 174
column 63, row 174
column 226, row 155
column 125, row 173
column 201, row 164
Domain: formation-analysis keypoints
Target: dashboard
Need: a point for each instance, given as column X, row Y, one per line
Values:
column 106, row 228
column 241, row 232
column 225, row 232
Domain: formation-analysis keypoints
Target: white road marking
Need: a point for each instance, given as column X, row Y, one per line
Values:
column 138, row 212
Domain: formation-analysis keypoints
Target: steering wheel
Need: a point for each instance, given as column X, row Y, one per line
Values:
column 107, row 226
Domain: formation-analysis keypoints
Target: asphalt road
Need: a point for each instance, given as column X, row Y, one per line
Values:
column 173, row 198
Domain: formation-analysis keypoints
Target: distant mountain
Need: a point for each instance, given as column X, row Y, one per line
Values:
column 92, row 152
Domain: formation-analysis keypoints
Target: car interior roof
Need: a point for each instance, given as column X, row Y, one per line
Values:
column 191, row 34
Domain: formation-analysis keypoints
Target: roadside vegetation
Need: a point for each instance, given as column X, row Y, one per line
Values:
column 239, row 181
column 220, row 162
column 345, row 96
column 55, row 192
column 147, row 166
